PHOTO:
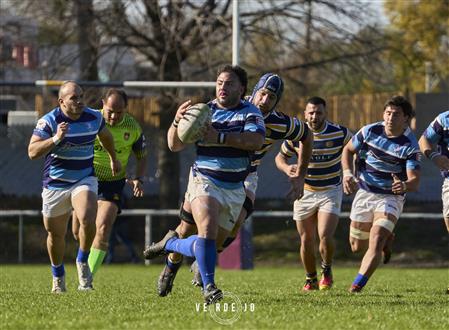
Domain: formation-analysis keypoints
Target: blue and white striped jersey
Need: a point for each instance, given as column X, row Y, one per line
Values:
column 438, row 133
column 72, row 159
column 279, row 127
column 379, row 156
column 324, row 171
column 228, row 166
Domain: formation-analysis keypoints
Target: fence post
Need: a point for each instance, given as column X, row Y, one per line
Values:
column 148, row 237
column 20, row 241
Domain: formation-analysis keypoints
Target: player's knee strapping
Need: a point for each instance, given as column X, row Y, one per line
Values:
column 385, row 223
column 186, row 216
column 248, row 206
column 358, row 234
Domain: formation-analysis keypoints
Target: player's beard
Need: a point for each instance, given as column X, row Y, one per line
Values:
column 229, row 101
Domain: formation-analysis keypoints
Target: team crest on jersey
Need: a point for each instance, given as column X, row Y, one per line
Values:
column 116, row 197
column 329, row 144
column 126, row 136
column 41, row 124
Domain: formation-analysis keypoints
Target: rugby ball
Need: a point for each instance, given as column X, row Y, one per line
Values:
column 190, row 127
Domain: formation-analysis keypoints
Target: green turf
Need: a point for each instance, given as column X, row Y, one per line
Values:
column 125, row 298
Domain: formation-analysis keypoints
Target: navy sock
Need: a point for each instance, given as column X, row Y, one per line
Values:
column 182, row 245
column 58, row 270
column 82, row 256
column 206, row 257
column 173, row 266
column 360, row 280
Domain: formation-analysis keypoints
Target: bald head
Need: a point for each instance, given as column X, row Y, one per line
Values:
column 70, row 99
column 68, row 87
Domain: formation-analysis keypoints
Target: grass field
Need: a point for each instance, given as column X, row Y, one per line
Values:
column 125, row 298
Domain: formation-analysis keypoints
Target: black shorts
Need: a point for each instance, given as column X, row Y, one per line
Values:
column 112, row 191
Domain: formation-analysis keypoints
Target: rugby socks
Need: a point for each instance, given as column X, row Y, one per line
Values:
column 58, row 270
column 326, row 268
column 82, row 256
column 95, row 260
column 173, row 266
column 182, row 245
column 360, row 280
column 311, row 276
column 206, row 257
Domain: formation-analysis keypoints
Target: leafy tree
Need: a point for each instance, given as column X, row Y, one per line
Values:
column 419, row 33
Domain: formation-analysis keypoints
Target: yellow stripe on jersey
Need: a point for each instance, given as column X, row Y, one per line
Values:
column 323, row 176
column 325, row 164
column 327, row 151
column 329, row 136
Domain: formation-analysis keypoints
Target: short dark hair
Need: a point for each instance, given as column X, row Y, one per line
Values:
column 239, row 72
column 316, row 100
column 401, row 102
column 115, row 91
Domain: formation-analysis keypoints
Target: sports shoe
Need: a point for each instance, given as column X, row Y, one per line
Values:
column 355, row 288
column 310, row 284
column 326, row 281
column 58, row 285
column 388, row 247
column 197, row 280
column 158, row 249
column 166, row 279
column 84, row 276
column 212, row 294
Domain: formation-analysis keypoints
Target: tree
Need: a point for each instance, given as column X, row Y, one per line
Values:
column 418, row 34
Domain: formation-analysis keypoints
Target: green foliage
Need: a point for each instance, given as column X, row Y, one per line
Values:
column 125, row 298
column 418, row 33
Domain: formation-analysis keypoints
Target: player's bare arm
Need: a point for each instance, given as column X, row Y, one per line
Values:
column 39, row 147
column 107, row 142
column 347, row 159
column 282, row 164
column 304, row 156
column 441, row 161
column 174, row 143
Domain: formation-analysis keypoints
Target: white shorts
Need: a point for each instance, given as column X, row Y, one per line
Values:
column 251, row 182
column 231, row 200
column 59, row 202
column 328, row 201
column 366, row 203
column 445, row 198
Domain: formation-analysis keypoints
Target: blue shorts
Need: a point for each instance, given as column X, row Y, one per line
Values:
column 112, row 191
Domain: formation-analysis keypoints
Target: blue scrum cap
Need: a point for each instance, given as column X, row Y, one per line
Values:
column 273, row 83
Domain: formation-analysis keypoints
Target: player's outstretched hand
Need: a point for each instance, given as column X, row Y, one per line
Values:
column 137, row 187
column 297, row 189
column 350, row 185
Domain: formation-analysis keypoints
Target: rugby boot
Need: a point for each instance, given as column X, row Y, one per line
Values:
column 158, row 249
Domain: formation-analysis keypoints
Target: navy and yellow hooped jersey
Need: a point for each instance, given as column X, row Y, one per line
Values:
column 279, row 126
column 324, row 171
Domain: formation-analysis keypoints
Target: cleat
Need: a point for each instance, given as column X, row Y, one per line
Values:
column 58, row 285
column 355, row 288
column 197, row 280
column 166, row 279
column 158, row 249
column 388, row 249
column 326, row 281
column 310, row 284
column 84, row 276
column 212, row 294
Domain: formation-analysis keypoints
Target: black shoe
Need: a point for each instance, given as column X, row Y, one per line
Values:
column 158, row 249
column 212, row 294
column 166, row 279
column 197, row 280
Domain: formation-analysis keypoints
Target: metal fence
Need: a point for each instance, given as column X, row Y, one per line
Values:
column 150, row 213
